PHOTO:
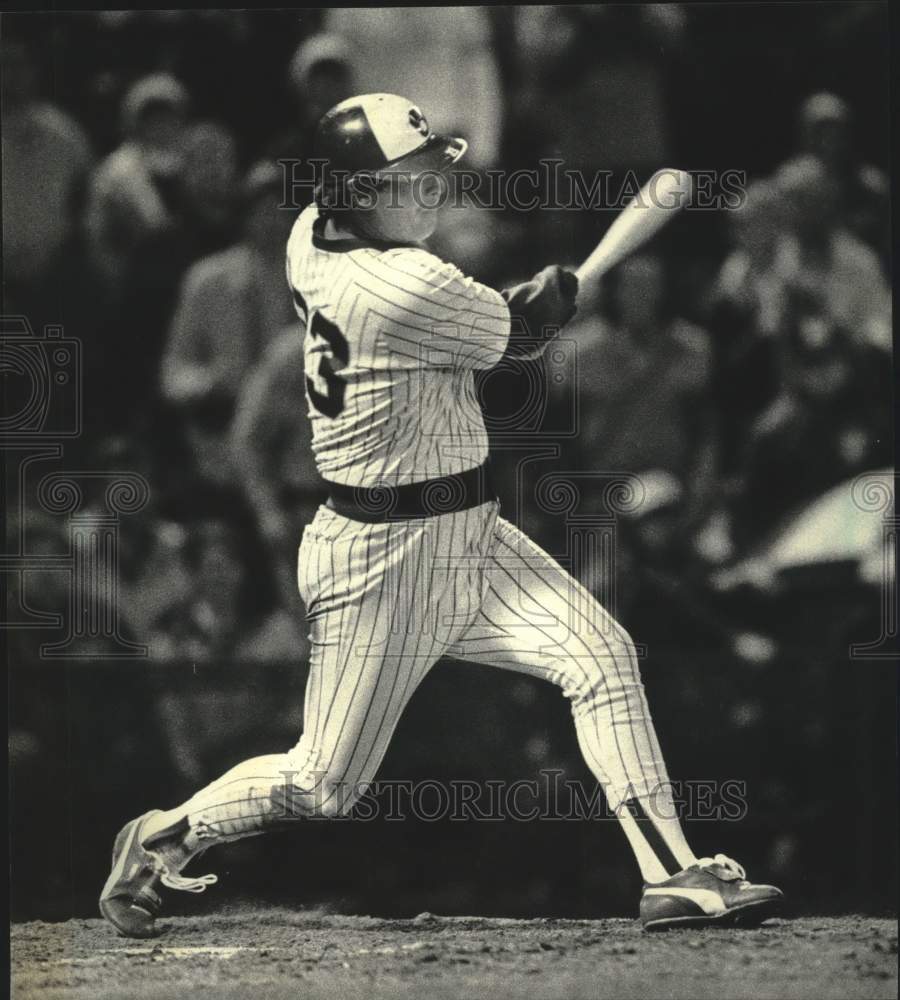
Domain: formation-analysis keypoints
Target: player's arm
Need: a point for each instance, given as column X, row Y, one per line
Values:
column 539, row 308
column 434, row 315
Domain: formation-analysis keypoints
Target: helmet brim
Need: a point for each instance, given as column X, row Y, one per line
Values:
column 436, row 155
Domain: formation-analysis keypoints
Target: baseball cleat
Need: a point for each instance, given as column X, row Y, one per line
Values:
column 713, row 892
column 130, row 900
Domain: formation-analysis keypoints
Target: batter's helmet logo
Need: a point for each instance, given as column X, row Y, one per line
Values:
column 418, row 122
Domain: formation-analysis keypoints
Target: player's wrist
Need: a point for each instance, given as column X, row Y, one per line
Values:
column 539, row 309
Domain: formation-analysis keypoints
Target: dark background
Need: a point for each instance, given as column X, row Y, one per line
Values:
column 95, row 740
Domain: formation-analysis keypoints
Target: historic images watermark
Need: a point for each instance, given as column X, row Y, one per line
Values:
column 549, row 185
column 875, row 493
column 42, row 376
column 550, row 796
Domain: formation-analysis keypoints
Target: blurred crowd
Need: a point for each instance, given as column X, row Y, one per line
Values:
column 141, row 193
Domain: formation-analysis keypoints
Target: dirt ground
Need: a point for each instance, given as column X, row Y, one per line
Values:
column 275, row 954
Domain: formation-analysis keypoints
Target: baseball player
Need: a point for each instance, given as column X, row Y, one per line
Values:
column 409, row 560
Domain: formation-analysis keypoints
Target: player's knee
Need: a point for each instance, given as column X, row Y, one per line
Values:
column 614, row 653
column 623, row 648
column 607, row 670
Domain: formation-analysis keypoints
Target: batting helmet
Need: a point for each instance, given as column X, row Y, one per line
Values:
column 364, row 135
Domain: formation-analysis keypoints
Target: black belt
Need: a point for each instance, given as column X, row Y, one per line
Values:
column 376, row 504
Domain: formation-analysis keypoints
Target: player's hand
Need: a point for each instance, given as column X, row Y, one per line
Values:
column 568, row 285
column 547, row 300
column 540, row 307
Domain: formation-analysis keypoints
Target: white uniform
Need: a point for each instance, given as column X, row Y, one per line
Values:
column 392, row 339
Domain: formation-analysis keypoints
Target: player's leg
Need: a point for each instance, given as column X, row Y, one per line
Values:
column 377, row 596
column 537, row 619
column 362, row 585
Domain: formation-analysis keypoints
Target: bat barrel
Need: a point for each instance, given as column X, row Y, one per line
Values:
column 658, row 201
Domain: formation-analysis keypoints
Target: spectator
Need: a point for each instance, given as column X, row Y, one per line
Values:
column 36, row 597
column 222, row 619
column 160, row 587
column 823, row 259
column 46, row 159
column 209, row 188
column 439, row 57
column 204, row 206
column 273, row 455
column 826, row 132
column 134, row 191
column 747, row 285
column 662, row 585
column 203, row 222
column 42, row 597
column 831, row 421
column 604, row 64
column 745, row 315
column 320, row 75
column 594, row 83
column 646, row 403
column 231, row 305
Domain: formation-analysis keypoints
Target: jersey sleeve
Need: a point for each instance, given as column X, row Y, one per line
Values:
column 433, row 313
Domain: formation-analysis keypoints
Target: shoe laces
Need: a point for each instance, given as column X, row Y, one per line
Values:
column 172, row 880
column 725, row 862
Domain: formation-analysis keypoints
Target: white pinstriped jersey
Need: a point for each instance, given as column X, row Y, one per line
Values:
column 392, row 340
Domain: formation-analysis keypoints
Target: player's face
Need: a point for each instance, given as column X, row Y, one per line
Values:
column 406, row 206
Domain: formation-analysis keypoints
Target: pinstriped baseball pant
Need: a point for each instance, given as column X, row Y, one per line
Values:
column 385, row 602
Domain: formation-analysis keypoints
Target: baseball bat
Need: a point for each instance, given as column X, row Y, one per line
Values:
column 649, row 210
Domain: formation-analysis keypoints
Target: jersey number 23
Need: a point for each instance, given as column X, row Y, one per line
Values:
column 326, row 389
